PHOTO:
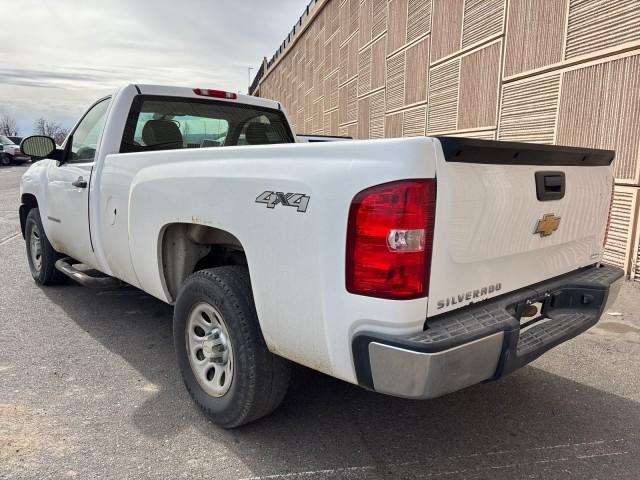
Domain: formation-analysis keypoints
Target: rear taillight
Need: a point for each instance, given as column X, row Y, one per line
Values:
column 606, row 231
column 390, row 240
column 204, row 92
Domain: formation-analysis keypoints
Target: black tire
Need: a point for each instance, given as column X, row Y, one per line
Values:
column 43, row 272
column 5, row 160
column 260, row 378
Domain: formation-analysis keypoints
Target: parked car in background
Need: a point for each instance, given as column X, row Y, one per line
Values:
column 10, row 152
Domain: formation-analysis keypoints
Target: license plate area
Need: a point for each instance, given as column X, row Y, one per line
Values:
column 542, row 307
column 533, row 310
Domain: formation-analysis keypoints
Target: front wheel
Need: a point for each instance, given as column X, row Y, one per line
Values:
column 225, row 364
column 40, row 254
column 5, row 160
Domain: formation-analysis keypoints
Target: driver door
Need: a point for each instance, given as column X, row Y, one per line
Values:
column 69, row 187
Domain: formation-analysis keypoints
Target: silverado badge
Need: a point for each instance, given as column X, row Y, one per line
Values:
column 547, row 225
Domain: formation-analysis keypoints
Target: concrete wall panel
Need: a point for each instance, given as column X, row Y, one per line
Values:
column 545, row 71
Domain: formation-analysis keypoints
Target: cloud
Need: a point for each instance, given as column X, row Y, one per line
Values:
column 63, row 55
column 44, row 78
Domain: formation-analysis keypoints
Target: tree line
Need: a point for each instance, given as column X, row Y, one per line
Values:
column 42, row 126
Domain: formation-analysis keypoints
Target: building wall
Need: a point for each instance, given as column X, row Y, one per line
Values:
column 546, row 71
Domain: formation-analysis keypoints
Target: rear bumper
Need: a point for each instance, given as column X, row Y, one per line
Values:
column 484, row 341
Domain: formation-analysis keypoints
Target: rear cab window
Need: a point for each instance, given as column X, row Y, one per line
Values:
column 166, row 123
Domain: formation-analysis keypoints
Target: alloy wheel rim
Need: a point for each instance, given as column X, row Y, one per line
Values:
column 36, row 248
column 209, row 349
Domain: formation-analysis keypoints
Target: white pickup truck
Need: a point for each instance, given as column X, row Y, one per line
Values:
column 412, row 267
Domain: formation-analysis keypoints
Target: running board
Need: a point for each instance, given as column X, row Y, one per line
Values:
column 66, row 266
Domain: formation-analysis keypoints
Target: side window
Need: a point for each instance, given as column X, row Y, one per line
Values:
column 85, row 136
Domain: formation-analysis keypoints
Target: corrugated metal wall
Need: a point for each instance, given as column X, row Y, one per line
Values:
column 548, row 71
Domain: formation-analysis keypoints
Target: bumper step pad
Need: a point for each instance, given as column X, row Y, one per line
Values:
column 542, row 334
column 464, row 327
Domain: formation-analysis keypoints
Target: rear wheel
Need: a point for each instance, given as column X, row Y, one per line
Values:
column 41, row 255
column 223, row 358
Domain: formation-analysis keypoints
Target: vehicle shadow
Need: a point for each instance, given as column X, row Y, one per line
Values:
column 331, row 428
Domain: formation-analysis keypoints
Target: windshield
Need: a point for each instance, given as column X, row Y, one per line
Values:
column 5, row 141
column 164, row 123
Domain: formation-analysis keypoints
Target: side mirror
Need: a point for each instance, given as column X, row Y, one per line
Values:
column 39, row 146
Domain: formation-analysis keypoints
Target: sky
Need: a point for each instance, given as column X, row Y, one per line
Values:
column 59, row 56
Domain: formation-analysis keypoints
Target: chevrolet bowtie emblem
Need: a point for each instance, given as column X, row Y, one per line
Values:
column 547, row 225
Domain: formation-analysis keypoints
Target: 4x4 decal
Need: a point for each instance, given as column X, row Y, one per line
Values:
column 271, row 199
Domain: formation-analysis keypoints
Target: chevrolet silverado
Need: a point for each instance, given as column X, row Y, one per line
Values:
column 413, row 267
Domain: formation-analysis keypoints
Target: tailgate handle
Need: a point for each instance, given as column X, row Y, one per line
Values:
column 550, row 185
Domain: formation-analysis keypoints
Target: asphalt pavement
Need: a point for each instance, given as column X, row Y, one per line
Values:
column 89, row 389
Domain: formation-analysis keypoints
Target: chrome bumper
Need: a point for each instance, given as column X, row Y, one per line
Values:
column 484, row 341
column 406, row 373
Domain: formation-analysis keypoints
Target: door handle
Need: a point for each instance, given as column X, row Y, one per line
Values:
column 80, row 183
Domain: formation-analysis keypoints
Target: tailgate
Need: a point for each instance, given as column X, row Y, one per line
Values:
column 509, row 215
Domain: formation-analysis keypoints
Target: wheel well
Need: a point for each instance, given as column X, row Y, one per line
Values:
column 187, row 248
column 27, row 202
